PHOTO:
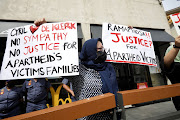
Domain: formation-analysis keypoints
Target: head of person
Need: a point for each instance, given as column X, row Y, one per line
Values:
column 10, row 83
column 93, row 50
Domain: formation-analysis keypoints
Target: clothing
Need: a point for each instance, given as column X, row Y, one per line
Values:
column 35, row 106
column 13, row 112
column 94, row 79
column 36, row 93
column 173, row 76
column 88, row 84
column 10, row 102
column 177, row 58
column 106, row 71
column 65, row 81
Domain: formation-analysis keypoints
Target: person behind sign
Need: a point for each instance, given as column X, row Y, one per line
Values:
column 36, row 90
column 171, row 67
column 10, row 100
column 95, row 77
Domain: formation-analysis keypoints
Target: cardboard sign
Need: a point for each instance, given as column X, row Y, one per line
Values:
column 176, row 21
column 125, row 45
column 49, row 50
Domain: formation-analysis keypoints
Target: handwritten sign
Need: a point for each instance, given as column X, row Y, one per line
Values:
column 176, row 21
column 125, row 45
column 49, row 50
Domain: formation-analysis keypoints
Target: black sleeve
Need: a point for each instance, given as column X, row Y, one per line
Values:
column 173, row 73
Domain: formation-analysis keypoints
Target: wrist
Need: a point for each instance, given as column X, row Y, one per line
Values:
column 174, row 46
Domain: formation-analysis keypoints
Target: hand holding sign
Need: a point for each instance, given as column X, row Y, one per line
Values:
column 40, row 21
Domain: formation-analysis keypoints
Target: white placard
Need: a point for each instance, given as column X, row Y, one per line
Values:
column 125, row 45
column 49, row 50
column 157, row 69
column 176, row 21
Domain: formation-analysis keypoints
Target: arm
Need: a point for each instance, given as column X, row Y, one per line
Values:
column 171, row 55
column 68, row 89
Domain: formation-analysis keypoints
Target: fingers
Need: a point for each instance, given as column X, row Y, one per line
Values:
column 73, row 94
column 177, row 38
column 39, row 21
column 129, row 26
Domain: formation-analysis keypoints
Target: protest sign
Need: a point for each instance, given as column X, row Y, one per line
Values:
column 176, row 21
column 125, row 45
column 49, row 50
